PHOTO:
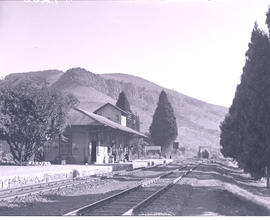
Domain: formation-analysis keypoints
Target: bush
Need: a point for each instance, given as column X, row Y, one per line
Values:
column 6, row 158
column 205, row 154
column 57, row 160
column 75, row 174
column 39, row 156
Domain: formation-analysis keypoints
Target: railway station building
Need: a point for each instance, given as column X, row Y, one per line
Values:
column 95, row 137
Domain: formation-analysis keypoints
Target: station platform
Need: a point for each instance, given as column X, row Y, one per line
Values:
column 149, row 162
column 117, row 166
column 18, row 176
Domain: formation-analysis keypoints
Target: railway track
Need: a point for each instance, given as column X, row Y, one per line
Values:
column 130, row 201
column 14, row 193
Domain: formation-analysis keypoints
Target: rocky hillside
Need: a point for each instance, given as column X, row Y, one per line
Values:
column 198, row 121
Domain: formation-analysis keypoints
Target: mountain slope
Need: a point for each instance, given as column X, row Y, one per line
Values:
column 47, row 76
column 198, row 121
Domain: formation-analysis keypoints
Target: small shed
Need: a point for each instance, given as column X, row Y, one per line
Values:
column 152, row 151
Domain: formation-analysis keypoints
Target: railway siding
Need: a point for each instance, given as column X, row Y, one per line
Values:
column 131, row 200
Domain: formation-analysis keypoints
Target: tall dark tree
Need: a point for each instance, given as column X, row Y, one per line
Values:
column 133, row 121
column 267, row 21
column 30, row 115
column 137, row 123
column 163, row 130
column 245, row 132
column 122, row 102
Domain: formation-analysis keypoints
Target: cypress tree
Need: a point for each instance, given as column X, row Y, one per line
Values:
column 245, row 132
column 122, row 102
column 163, row 130
column 137, row 123
column 267, row 21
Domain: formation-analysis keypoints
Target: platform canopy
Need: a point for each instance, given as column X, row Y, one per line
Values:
column 78, row 116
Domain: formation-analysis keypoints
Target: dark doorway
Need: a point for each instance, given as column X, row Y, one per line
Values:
column 94, row 151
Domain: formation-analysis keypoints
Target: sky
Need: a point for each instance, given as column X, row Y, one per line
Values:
column 196, row 47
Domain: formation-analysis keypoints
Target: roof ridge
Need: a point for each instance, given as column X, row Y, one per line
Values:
column 108, row 122
column 108, row 103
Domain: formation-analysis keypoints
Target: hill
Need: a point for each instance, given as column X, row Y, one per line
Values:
column 47, row 76
column 198, row 121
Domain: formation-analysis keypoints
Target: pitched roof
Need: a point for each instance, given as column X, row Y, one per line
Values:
column 114, row 106
column 76, row 117
column 109, row 123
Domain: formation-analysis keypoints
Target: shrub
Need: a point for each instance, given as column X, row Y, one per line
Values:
column 205, row 154
column 6, row 158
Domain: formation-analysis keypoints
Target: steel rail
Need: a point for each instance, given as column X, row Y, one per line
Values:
column 146, row 201
column 106, row 200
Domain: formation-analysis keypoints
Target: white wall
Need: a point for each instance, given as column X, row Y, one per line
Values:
column 123, row 120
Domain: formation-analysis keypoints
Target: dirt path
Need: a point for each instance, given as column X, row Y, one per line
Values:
column 202, row 193
column 210, row 199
